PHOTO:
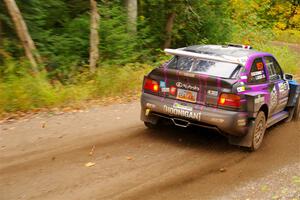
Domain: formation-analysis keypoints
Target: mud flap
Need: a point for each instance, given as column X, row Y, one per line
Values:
column 294, row 93
column 244, row 141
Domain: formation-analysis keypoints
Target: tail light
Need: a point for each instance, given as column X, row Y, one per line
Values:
column 151, row 85
column 230, row 100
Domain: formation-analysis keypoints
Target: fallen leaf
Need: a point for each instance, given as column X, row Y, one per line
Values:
column 129, row 158
column 90, row 164
column 222, row 170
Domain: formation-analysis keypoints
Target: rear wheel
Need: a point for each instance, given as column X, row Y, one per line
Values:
column 257, row 131
column 296, row 116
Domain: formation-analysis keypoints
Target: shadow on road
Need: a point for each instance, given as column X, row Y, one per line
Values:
column 193, row 137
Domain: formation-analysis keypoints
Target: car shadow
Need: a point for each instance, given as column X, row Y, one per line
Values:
column 192, row 137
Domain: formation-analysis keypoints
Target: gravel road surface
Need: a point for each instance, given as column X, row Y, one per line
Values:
column 107, row 153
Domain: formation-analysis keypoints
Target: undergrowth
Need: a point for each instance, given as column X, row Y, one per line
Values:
column 23, row 92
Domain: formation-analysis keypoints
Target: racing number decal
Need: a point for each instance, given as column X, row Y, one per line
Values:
column 283, row 88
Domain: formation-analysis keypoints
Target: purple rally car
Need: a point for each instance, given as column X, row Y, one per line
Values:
column 230, row 88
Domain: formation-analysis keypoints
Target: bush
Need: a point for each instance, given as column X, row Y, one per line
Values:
column 20, row 91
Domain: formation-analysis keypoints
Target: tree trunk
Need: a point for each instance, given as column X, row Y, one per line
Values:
column 168, row 30
column 132, row 12
column 94, row 36
column 1, row 35
column 23, row 34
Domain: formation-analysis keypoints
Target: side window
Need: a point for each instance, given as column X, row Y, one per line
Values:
column 273, row 68
column 257, row 73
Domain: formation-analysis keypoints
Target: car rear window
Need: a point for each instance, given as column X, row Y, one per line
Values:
column 208, row 67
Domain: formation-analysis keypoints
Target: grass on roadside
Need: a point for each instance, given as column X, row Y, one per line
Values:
column 27, row 92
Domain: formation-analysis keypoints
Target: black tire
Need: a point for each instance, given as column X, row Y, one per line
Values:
column 257, row 131
column 150, row 125
column 296, row 116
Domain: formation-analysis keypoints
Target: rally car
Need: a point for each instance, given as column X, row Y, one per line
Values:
column 230, row 88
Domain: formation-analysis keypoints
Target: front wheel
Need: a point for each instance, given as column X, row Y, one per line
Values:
column 257, row 131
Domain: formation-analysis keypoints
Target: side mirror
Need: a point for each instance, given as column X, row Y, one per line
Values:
column 288, row 77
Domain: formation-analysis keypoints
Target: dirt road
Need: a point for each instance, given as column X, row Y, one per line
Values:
column 44, row 158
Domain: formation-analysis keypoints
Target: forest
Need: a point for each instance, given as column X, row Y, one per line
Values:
column 87, row 50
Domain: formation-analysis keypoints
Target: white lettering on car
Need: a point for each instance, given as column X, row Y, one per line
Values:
column 187, row 86
column 166, row 90
column 212, row 92
column 182, row 113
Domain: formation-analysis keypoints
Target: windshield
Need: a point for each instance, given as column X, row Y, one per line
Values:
column 208, row 67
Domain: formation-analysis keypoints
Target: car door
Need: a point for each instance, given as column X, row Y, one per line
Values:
column 279, row 88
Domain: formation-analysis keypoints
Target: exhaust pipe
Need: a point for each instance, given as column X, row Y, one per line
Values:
column 180, row 122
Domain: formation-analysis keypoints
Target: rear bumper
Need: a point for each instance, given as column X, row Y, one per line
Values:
column 228, row 122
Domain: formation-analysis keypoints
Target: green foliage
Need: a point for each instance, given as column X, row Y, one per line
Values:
column 20, row 91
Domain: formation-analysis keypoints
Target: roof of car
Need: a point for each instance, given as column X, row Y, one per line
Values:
column 221, row 50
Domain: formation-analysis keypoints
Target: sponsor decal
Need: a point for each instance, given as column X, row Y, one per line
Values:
column 187, row 74
column 241, row 122
column 162, row 84
column 217, row 120
column 226, row 90
column 182, row 113
column 259, row 99
column 183, row 107
column 187, row 86
column 259, row 66
column 165, row 89
column 241, row 89
column 147, row 112
column 283, row 86
column 258, row 75
column 150, row 105
column 244, row 77
column 212, row 93
column 173, row 90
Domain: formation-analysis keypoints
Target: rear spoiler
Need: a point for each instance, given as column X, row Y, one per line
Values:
column 180, row 52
